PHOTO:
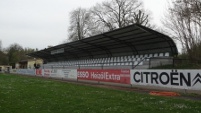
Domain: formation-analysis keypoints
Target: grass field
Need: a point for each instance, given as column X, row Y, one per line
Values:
column 21, row 94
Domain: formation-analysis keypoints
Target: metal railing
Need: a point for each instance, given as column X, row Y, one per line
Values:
column 149, row 62
column 172, row 62
column 131, row 64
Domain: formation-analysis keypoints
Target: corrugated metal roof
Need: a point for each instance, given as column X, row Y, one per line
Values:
column 130, row 40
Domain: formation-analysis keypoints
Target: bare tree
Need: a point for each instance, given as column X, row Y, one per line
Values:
column 119, row 13
column 105, row 17
column 79, row 24
column 183, row 22
column 141, row 18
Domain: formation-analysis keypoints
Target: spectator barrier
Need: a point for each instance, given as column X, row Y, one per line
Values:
column 107, row 75
column 176, row 79
column 179, row 79
column 26, row 71
column 58, row 73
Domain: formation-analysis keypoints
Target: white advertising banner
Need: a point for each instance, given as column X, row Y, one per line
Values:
column 51, row 73
column 13, row 71
column 47, row 72
column 26, row 71
column 68, row 73
column 54, row 73
column 61, row 73
column 182, row 79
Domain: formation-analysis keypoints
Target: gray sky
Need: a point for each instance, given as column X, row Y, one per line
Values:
column 39, row 23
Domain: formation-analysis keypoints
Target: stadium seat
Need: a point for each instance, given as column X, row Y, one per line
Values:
column 150, row 55
column 127, row 63
column 156, row 55
column 125, row 57
column 118, row 60
column 107, row 61
column 138, row 59
column 115, row 59
column 112, row 59
column 160, row 54
column 167, row 54
column 135, row 63
column 122, row 60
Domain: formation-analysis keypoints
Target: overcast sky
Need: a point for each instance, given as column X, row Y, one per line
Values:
column 39, row 23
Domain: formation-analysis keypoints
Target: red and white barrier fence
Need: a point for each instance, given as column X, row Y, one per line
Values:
column 179, row 79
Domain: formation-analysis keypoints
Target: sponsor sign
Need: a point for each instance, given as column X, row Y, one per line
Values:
column 30, row 72
column 68, row 73
column 21, row 71
column 39, row 72
column 46, row 72
column 13, row 71
column 50, row 72
column 182, row 79
column 53, row 73
column 59, row 73
column 26, row 71
column 107, row 75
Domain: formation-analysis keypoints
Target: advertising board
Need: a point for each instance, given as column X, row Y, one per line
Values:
column 26, row 71
column 68, row 73
column 182, row 79
column 58, row 73
column 39, row 72
column 107, row 75
column 46, row 72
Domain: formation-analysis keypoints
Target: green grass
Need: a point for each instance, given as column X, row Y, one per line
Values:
column 20, row 94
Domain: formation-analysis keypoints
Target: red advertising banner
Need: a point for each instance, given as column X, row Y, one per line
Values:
column 106, row 75
column 39, row 72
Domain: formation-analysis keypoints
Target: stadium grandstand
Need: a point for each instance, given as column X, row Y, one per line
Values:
column 129, row 47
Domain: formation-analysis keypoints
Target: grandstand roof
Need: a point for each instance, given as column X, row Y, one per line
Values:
column 130, row 40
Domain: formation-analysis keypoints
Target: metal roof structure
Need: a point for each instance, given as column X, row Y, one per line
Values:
column 131, row 40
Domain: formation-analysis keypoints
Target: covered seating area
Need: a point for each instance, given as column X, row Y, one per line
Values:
column 129, row 46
